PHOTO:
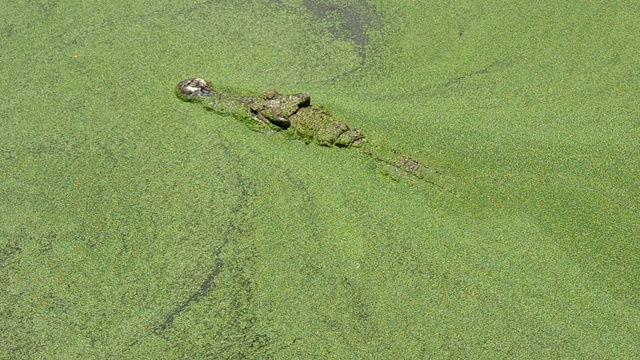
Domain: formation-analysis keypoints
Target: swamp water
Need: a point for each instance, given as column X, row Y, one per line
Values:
column 134, row 225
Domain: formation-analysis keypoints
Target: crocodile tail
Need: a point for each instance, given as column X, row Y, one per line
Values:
column 396, row 164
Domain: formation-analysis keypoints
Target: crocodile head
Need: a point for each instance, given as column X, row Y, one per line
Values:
column 192, row 89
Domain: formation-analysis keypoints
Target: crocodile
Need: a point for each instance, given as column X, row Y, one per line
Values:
column 295, row 116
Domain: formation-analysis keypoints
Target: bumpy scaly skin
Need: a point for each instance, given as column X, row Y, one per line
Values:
column 294, row 114
column 272, row 111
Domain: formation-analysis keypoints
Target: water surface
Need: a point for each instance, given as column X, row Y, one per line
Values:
column 134, row 225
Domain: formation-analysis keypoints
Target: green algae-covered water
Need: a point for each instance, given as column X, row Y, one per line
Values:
column 133, row 225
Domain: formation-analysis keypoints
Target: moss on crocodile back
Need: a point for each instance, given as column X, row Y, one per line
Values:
column 315, row 124
column 277, row 108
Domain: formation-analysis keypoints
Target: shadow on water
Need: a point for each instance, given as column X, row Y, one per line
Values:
column 350, row 20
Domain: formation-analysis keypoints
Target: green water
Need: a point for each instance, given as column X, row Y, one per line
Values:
column 133, row 225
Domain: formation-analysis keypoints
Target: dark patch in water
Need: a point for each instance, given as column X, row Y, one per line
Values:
column 349, row 20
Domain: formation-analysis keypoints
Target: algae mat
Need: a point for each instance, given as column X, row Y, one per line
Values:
column 135, row 226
